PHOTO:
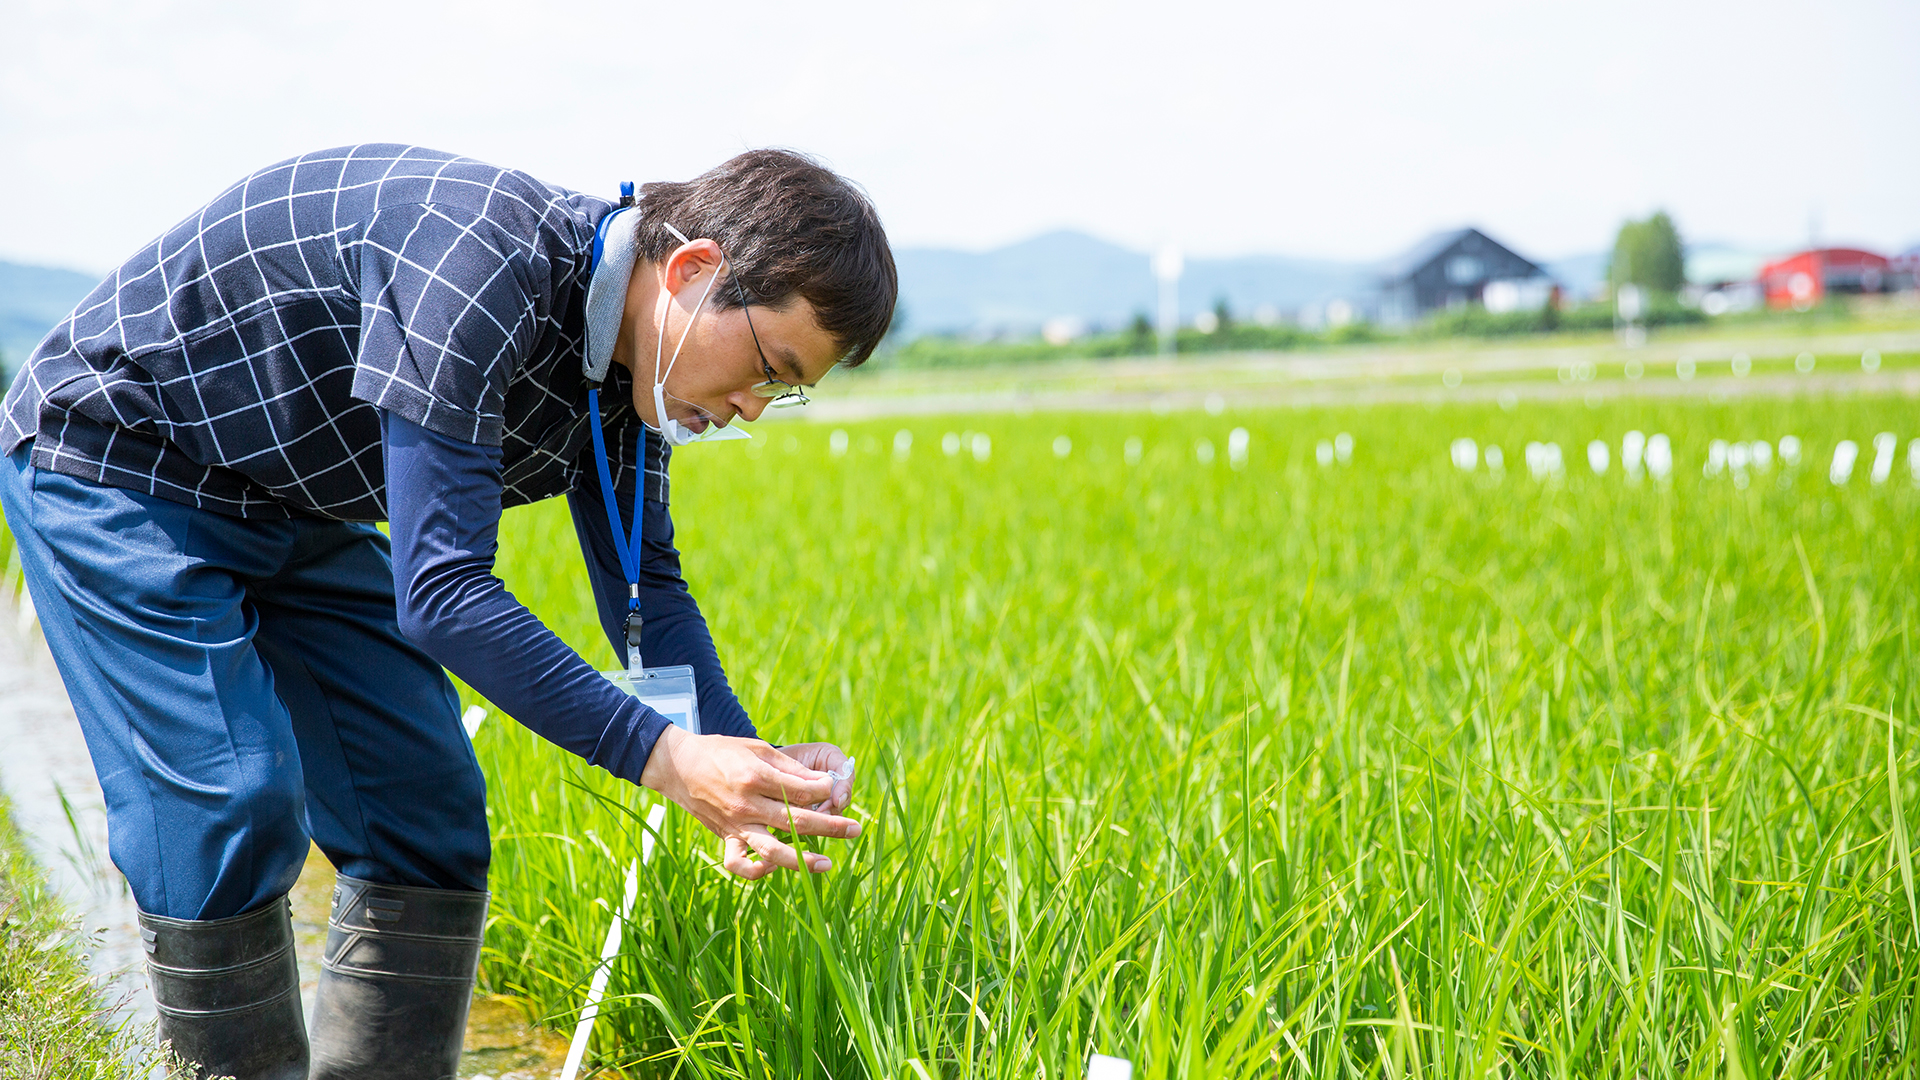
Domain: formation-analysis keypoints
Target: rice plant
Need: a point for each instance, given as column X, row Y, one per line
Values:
column 1379, row 761
column 1377, row 765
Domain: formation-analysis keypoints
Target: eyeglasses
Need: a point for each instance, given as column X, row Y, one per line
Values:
column 781, row 394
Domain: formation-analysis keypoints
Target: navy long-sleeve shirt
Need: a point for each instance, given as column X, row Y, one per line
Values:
column 444, row 498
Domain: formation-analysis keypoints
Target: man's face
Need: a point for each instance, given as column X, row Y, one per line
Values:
column 713, row 381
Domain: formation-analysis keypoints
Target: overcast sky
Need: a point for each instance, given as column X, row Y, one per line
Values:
column 1339, row 130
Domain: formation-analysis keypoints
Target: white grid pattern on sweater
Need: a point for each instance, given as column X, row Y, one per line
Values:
column 235, row 363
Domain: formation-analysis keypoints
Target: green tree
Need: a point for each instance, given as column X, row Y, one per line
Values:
column 1140, row 333
column 1223, row 314
column 1648, row 254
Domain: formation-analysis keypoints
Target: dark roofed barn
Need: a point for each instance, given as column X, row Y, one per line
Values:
column 1449, row 269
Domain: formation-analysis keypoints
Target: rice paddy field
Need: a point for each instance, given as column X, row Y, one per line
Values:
column 1286, row 743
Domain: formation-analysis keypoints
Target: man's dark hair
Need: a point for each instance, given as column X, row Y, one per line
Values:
column 789, row 227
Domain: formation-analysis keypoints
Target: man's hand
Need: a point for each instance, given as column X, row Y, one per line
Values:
column 826, row 758
column 739, row 789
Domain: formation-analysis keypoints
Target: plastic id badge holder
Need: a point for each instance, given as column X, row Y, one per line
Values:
column 669, row 691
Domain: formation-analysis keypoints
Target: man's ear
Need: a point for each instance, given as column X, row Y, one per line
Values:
column 691, row 262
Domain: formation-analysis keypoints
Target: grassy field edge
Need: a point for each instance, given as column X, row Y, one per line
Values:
column 53, row 1024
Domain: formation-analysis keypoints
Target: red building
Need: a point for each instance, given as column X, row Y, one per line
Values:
column 1803, row 280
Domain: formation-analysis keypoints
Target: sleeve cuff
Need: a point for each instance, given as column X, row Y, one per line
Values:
column 627, row 743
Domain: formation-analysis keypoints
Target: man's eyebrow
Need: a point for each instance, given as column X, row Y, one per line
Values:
column 791, row 361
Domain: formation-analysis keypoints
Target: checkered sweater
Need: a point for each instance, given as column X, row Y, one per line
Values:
column 235, row 363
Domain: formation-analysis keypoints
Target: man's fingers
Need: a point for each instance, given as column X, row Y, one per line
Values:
column 810, row 822
column 771, row 848
column 740, row 862
column 818, row 756
column 803, row 787
column 771, row 851
column 791, row 766
column 783, row 761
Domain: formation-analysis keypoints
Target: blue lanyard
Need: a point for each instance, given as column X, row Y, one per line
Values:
column 629, row 550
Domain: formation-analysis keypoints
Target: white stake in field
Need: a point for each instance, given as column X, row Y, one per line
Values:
column 598, row 988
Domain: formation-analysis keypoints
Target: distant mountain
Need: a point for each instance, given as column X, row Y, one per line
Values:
column 1712, row 263
column 32, row 300
column 1021, row 286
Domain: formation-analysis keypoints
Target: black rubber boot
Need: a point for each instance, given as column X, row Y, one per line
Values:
column 396, row 982
column 228, row 993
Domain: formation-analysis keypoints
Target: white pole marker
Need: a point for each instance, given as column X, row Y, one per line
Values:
column 1102, row 1067
column 598, row 987
column 471, row 719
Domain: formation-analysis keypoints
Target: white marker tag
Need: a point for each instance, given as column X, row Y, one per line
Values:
column 844, row 772
column 669, row 691
column 1102, row 1067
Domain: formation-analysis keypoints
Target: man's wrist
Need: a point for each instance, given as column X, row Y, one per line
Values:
column 662, row 768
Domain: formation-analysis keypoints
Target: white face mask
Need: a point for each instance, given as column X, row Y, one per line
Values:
column 673, row 431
